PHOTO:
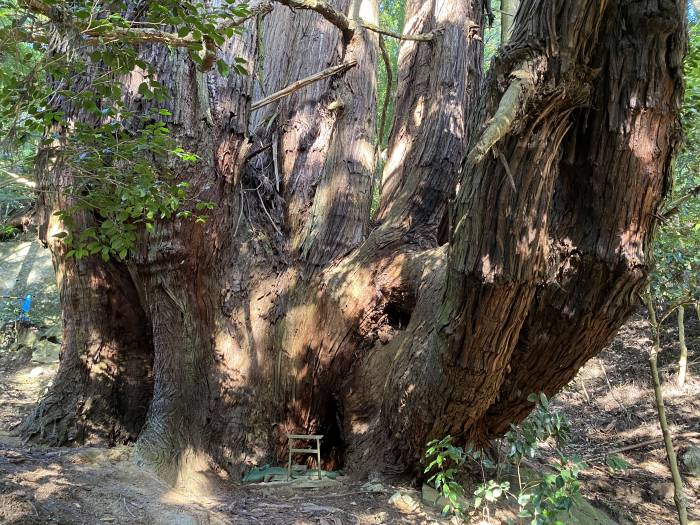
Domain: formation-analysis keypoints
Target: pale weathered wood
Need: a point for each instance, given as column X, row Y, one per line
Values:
column 294, row 86
column 304, row 437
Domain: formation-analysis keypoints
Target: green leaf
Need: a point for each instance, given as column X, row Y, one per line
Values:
column 616, row 463
column 223, row 68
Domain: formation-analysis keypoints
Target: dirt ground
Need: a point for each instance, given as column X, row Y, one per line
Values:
column 610, row 406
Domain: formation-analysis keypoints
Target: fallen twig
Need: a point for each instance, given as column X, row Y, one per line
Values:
column 656, row 441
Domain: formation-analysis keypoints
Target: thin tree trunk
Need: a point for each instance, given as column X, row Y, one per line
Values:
column 678, row 496
column 683, row 357
column 508, row 9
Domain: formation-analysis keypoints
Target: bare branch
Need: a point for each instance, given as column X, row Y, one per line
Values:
column 346, row 25
column 675, row 206
column 683, row 301
column 295, row 86
column 421, row 37
column 41, row 8
column 258, row 151
column 335, row 17
column 260, row 9
column 506, row 167
column 141, row 35
column 387, row 93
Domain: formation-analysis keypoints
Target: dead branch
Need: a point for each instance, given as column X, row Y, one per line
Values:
column 641, row 444
column 262, row 202
column 387, row 94
column 675, row 206
column 295, row 86
column 275, row 163
column 683, row 301
column 420, row 37
column 346, row 25
column 258, row 151
column 506, row 167
column 335, row 17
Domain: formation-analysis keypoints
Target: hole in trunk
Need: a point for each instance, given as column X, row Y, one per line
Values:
column 397, row 315
column 333, row 444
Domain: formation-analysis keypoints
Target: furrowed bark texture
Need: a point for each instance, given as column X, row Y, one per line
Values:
column 496, row 255
column 613, row 174
column 438, row 84
column 339, row 215
column 294, row 45
column 456, row 374
column 103, row 388
column 285, row 312
column 179, row 264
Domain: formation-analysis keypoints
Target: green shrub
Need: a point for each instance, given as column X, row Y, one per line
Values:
column 541, row 500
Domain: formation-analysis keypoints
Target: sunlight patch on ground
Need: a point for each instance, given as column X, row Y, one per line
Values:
column 26, row 268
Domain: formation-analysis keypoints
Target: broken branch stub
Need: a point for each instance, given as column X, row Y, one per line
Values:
column 517, row 94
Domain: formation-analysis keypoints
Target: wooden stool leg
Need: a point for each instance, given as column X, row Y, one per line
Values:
column 289, row 464
column 318, row 456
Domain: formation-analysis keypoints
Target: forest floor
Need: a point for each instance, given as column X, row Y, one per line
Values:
column 610, row 406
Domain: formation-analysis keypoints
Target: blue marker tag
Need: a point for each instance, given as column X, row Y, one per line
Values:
column 25, row 305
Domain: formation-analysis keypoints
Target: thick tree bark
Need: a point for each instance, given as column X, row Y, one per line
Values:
column 438, row 84
column 298, row 127
column 284, row 312
column 614, row 172
column 177, row 264
column 453, row 364
column 104, row 383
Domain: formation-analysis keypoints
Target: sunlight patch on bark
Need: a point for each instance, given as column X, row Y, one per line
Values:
column 630, row 244
column 191, row 477
column 527, row 244
column 418, row 112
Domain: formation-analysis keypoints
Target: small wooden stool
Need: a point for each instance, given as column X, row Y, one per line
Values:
column 300, row 437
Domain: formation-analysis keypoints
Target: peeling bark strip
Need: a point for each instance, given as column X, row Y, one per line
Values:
column 516, row 96
column 286, row 312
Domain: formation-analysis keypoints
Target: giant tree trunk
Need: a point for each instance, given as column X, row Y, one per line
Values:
column 287, row 312
column 614, row 170
column 104, row 383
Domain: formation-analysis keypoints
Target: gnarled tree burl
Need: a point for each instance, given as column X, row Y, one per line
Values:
column 510, row 244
